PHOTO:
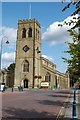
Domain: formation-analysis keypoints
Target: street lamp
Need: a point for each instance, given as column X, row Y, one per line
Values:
column 7, row 42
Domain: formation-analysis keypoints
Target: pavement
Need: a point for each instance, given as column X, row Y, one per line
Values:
column 69, row 107
column 78, row 104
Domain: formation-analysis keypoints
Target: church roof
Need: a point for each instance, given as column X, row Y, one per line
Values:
column 47, row 60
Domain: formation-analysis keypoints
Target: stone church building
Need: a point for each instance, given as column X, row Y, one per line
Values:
column 31, row 68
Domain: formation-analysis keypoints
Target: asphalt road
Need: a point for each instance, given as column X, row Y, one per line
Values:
column 34, row 104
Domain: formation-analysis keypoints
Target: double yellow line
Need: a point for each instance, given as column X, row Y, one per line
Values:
column 62, row 110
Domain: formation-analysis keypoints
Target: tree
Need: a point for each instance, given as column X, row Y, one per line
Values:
column 74, row 51
column 74, row 47
column 77, row 11
column 11, row 68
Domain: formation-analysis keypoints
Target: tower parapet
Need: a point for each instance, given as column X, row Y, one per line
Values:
column 26, row 21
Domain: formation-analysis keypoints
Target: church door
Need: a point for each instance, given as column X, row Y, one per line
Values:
column 25, row 83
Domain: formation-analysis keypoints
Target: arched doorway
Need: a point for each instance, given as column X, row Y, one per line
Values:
column 25, row 83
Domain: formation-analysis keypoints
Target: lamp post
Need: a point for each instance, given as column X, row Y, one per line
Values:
column 7, row 42
column 68, row 81
column 74, row 117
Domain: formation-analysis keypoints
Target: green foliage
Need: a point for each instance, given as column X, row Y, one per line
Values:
column 11, row 68
column 74, row 51
column 74, row 47
column 77, row 11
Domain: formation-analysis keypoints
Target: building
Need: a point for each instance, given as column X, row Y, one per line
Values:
column 31, row 68
column 7, row 78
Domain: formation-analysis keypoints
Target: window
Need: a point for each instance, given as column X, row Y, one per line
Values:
column 26, row 66
column 48, row 77
column 24, row 33
column 30, row 32
column 38, row 35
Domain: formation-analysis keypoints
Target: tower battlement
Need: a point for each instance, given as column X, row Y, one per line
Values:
column 24, row 21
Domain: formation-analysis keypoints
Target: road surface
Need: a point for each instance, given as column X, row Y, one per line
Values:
column 34, row 104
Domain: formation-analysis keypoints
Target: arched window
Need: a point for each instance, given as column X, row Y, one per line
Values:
column 24, row 33
column 38, row 35
column 30, row 32
column 48, row 77
column 26, row 66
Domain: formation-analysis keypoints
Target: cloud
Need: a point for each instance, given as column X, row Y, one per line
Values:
column 48, row 57
column 7, row 59
column 56, row 34
column 9, row 34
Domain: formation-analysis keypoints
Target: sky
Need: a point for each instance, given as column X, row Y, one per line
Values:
column 49, row 15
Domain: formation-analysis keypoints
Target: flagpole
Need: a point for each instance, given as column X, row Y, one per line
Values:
column 30, row 11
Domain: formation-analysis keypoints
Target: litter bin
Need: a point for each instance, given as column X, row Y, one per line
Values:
column 20, row 89
column 54, row 86
column 12, row 89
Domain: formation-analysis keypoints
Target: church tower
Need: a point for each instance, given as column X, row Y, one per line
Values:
column 28, row 54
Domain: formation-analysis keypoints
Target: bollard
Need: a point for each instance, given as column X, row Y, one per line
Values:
column 19, row 89
column 3, row 89
column 12, row 89
column 74, row 106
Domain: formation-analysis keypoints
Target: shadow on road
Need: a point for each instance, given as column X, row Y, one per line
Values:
column 55, row 103
column 57, row 95
column 36, row 119
column 13, row 113
column 64, row 92
column 20, row 114
column 48, row 102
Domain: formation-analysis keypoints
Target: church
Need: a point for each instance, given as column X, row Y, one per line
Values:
column 31, row 69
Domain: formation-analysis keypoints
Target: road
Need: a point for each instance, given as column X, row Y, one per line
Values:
column 34, row 104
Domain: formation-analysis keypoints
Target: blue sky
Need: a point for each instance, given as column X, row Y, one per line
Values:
column 45, row 12
column 49, row 14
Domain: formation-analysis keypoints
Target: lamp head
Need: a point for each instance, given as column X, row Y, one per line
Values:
column 7, row 42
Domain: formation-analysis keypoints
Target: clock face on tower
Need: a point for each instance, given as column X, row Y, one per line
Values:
column 26, row 48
